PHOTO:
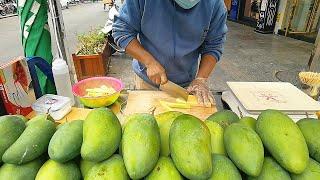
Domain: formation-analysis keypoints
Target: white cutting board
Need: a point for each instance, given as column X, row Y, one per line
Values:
column 258, row 96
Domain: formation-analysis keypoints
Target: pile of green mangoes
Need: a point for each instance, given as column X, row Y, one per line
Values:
column 167, row 146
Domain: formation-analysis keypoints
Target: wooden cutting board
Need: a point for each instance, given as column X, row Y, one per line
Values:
column 146, row 101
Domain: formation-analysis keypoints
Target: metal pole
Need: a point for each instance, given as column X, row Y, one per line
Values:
column 60, row 36
column 314, row 61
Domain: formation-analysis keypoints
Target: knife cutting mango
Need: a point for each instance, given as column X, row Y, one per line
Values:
column 184, row 99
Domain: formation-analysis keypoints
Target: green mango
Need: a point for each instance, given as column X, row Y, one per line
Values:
column 66, row 142
column 190, row 146
column 284, row 140
column 164, row 121
column 271, row 170
column 223, row 169
column 244, row 147
column 52, row 170
column 11, row 127
column 85, row 166
column 32, row 143
column 112, row 168
column 249, row 121
column 26, row 171
column 310, row 129
column 224, row 118
column 164, row 169
column 140, row 145
column 216, row 132
column 101, row 135
column 312, row 172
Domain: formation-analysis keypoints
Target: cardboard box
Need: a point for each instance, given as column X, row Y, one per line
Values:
column 15, row 87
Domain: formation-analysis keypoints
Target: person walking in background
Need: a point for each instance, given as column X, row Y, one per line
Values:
column 106, row 3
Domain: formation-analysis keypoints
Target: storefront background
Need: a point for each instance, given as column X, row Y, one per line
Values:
column 295, row 18
column 299, row 19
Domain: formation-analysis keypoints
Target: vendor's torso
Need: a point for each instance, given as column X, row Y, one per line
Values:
column 174, row 37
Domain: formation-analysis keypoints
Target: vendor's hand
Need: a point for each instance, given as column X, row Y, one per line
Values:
column 156, row 73
column 200, row 89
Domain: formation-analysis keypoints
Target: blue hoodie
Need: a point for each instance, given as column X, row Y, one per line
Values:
column 174, row 36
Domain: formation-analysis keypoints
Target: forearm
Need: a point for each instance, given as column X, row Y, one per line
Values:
column 155, row 72
column 135, row 50
column 207, row 64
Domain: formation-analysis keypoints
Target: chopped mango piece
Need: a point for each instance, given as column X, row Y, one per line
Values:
column 100, row 91
column 193, row 101
column 177, row 105
column 180, row 100
column 165, row 105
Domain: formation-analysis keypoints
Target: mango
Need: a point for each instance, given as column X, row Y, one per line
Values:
column 26, row 171
column 85, row 166
column 164, row 169
column 140, row 145
column 24, row 119
column 164, row 121
column 244, row 147
column 32, row 143
column 216, row 132
column 249, row 121
column 312, row 172
column 66, row 142
column 40, row 117
column 271, row 170
column 112, row 168
column 11, row 128
column 223, row 169
column 52, row 170
column 190, row 146
column 284, row 140
column 310, row 129
column 101, row 135
column 224, row 118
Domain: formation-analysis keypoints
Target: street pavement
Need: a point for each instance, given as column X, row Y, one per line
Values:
column 248, row 56
column 78, row 19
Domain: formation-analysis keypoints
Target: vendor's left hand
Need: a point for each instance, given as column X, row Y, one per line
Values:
column 200, row 89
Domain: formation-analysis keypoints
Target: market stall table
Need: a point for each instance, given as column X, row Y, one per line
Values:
column 145, row 102
column 135, row 101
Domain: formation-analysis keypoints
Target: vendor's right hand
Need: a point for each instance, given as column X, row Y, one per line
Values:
column 156, row 72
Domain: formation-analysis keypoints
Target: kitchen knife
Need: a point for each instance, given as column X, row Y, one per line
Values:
column 174, row 90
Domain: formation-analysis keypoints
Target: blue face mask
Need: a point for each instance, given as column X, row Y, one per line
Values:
column 187, row 4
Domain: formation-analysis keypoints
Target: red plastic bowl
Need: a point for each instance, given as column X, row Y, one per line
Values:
column 79, row 90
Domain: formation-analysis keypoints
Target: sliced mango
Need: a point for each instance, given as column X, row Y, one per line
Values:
column 193, row 101
column 100, row 91
column 180, row 100
column 177, row 105
column 165, row 105
column 182, row 104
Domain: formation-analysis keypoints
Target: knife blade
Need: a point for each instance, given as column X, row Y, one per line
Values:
column 174, row 90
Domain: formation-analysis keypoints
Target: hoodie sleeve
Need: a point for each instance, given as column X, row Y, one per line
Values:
column 214, row 42
column 127, row 25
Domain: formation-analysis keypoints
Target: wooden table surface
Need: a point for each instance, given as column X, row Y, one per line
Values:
column 141, row 102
